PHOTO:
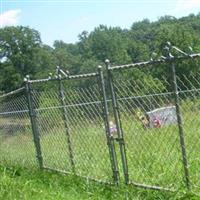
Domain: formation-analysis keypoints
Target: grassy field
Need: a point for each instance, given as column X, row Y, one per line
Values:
column 153, row 155
column 18, row 183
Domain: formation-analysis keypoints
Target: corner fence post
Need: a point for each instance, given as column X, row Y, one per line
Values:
column 179, row 119
column 34, row 124
column 110, row 139
column 65, row 119
column 120, row 134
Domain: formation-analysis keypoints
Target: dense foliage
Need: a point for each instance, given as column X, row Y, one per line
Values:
column 22, row 51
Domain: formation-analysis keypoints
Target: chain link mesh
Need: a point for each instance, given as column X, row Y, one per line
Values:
column 71, row 126
column 16, row 140
column 189, row 92
column 70, row 120
column 152, row 150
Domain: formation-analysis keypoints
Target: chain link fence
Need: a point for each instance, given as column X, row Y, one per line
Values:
column 157, row 123
column 130, row 126
column 189, row 91
column 151, row 143
column 73, row 137
column 16, row 139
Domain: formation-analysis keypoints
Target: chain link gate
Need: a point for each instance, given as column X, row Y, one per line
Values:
column 71, row 127
column 83, row 124
column 154, row 155
column 189, row 94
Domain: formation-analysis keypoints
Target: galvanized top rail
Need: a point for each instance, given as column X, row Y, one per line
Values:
column 151, row 62
column 79, row 76
column 12, row 92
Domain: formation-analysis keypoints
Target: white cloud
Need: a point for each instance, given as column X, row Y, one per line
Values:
column 187, row 5
column 10, row 18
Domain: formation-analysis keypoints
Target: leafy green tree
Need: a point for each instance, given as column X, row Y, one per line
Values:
column 21, row 53
column 67, row 57
column 106, row 43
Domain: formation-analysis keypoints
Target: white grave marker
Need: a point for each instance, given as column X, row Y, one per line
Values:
column 162, row 116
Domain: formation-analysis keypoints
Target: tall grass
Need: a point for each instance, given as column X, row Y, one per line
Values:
column 19, row 183
column 154, row 155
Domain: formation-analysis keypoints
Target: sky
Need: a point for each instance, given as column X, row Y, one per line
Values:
column 66, row 19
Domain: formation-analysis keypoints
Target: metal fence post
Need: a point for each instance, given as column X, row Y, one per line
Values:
column 34, row 125
column 179, row 119
column 120, row 134
column 110, row 139
column 65, row 119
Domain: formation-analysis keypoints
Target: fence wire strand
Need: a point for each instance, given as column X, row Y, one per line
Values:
column 70, row 127
column 16, row 140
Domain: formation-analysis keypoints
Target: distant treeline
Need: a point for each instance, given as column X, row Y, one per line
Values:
column 22, row 51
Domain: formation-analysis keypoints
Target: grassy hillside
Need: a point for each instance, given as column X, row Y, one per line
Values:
column 18, row 183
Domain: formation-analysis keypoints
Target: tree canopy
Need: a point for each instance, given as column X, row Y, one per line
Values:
column 22, row 51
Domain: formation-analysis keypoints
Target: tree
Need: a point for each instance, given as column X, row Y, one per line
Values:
column 21, row 53
column 106, row 43
column 67, row 56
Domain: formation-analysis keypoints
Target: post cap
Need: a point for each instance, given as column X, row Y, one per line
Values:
column 107, row 61
column 99, row 67
column 168, row 43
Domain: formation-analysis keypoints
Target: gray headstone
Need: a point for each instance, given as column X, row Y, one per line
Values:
column 162, row 116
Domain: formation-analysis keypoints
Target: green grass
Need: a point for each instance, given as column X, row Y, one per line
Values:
column 153, row 155
column 19, row 183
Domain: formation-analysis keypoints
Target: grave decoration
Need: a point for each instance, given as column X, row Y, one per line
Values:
column 161, row 117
